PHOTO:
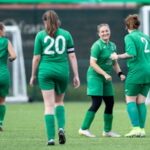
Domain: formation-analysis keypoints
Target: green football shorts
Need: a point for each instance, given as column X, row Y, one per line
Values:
column 50, row 80
column 98, row 86
column 135, row 89
column 4, row 85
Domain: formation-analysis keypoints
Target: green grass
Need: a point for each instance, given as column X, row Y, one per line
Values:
column 24, row 129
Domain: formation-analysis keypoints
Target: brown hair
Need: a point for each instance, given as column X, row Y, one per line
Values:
column 1, row 26
column 132, row 22
column 52, row 22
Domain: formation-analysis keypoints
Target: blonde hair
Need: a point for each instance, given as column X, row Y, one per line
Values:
column 52, row 21
column 101, row 25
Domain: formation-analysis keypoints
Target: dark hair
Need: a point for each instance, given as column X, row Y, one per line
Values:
column 132, row 22
column 2, row 26
column 52, row 20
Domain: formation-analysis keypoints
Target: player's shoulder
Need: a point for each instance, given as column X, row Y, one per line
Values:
column 4, row 38
column 145, row 35
column 40, row 35
column 132, row 34
column 41, row 32
column 97, row 44
column 127, row 37
column 63, row 31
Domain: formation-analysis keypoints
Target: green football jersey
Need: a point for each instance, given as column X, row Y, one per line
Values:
column 4, row 72
column 137, row 44
column 3, row 51
column 101, row 52
column 53, row 49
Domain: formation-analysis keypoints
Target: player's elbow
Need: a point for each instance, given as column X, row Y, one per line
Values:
column 92, row 63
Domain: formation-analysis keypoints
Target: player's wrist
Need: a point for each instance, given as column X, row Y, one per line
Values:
column 11, row 59
column 120, row 73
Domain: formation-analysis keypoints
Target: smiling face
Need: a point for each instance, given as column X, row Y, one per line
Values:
column 104, row 32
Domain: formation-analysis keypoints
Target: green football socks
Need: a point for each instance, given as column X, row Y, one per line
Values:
column 2, row 113
column 88, row 120
column 133, row 114
column 108, row 118
column 60, row 115
column 142, row 114
column 50, row 126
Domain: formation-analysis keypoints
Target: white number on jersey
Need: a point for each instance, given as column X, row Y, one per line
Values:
column 146, row 50
column 55, row 42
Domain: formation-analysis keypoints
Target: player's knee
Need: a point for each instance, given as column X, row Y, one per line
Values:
column 96, row 103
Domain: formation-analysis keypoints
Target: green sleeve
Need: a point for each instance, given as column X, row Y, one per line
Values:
column 95, row 51
column 37, row 45
column 70, row 42
column 130, row 46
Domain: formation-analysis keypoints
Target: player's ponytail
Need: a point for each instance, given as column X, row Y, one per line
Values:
column 51, row 21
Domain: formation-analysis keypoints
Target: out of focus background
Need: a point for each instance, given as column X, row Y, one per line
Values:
column 23, row 19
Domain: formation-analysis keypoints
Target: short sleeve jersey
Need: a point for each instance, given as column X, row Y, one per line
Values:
column 137, row 44
column 53, row 49
column 101, row 51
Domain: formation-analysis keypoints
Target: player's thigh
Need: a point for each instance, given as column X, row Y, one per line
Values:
column 94, row 86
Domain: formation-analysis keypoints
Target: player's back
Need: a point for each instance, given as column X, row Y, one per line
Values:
column 139, row 65
column 54, row 49
column 142, row 44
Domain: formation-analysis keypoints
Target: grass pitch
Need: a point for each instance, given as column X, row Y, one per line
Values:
column 24, row 129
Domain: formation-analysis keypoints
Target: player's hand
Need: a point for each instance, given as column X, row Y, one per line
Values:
column 108, row 77
column 76, row 82
column 122, row 77
column 114, row 56
column 32, row 79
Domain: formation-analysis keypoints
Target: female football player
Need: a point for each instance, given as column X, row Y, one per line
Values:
column 137, row 85
column 53, row 46
column 99, row 82
column 6, row 51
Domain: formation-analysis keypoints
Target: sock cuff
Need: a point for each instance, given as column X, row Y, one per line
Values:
column 49, row 115
column 108, row 115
